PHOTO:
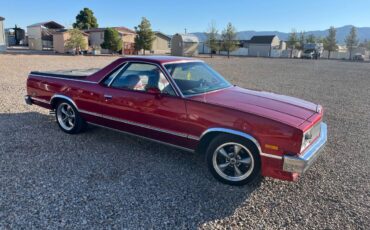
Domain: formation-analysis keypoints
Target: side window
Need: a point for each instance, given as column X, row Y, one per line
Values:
column 113, row 75
column 140, row 77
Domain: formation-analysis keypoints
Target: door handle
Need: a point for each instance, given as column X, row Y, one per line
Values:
column 107, row 97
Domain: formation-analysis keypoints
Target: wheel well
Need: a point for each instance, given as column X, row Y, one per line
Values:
column 58, row 98
column 55, row 102
column 206, row 140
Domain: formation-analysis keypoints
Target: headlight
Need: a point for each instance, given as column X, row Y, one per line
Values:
column 310, row 135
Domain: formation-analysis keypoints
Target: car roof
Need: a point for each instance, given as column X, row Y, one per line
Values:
column 160, row 59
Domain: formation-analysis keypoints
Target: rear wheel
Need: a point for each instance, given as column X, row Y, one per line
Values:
column 68, row 118
column 233, row 160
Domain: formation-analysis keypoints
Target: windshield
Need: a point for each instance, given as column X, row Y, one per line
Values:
column 196, row 77
column 309, row 51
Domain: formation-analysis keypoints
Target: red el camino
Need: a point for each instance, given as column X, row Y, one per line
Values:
column 184, row 103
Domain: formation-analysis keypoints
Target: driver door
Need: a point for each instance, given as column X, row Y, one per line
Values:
column 130, row 104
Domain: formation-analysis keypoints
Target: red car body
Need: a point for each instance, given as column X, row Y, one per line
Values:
column 275, row 123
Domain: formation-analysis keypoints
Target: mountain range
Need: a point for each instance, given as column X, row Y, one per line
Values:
column 362, row 34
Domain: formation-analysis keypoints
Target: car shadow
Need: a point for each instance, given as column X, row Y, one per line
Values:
column 108, row 178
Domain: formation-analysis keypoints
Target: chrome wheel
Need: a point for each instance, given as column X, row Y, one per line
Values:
column 66, row 116
column 233, row 162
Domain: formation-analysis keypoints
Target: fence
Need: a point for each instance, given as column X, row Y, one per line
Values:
column 286, row 53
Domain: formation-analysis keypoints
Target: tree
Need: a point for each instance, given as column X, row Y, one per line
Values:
column 85, row 20
column 292, row 41
column 365, row 44
column 229, row 39
column 76, row 41
column 330, row 42
column 212, row 41
column 301, row 41
column 320, row 40
column 351, row 41
column 145, row 36
column 112, row 40
column 311, row 38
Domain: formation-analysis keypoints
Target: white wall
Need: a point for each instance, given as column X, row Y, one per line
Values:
column 238, row 52
column 2, row 37
column 259, row 50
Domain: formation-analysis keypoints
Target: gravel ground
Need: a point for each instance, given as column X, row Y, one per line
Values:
column 101, row 179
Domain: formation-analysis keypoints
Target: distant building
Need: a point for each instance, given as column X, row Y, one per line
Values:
column 60, row 38
column 161, row 43
column 40, row 35
column 2, row 35
column 263, row 46
column 184, row 45
column 15, row 36
column 96, row 38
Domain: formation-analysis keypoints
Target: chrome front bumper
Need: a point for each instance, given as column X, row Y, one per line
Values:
column 299, row 164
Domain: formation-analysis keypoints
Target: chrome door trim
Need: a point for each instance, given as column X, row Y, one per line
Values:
column 192, row 137
column 183, row 135
column 146, row 138
column 40, row 100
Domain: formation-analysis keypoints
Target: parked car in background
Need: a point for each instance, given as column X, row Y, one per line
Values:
column 184, row 103
column 312, row 50
column 358, row 57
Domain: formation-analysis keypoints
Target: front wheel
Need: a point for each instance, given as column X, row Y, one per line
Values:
column 233, row 160
column 68, row 118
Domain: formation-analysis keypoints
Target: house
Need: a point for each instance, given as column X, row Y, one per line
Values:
column 264, row 46
column 2, row 35
column 184, row 45
column 15, row 36
column 161, row 43
column 96, row 38
column 40, row 35
column 60, row 38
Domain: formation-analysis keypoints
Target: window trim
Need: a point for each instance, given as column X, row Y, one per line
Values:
column 106, row 76
column 128, row 63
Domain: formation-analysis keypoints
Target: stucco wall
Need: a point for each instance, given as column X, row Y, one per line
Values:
column 2, row 36
column 60, row 39
column 176, row 46
column 160, row 45
column 96, row 38
column 129, row 38
column 34, row 38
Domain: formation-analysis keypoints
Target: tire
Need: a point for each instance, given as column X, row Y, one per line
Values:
column 233, row 160
column 68, row 118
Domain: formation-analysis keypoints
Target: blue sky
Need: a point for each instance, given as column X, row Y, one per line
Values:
column 174, row 16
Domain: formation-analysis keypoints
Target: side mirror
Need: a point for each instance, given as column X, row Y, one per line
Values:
column 153, row 90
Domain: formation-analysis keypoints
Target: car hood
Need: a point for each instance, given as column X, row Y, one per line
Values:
column 286, row 109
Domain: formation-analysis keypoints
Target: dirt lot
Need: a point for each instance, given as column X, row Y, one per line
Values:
column 102, row 179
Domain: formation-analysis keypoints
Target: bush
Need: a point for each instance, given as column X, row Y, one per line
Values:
column 112, row 40
column 76, row 41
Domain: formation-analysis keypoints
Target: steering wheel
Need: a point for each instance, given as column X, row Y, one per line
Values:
column 203, row 83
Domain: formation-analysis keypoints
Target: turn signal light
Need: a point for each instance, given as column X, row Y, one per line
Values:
column 273, row 147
